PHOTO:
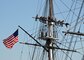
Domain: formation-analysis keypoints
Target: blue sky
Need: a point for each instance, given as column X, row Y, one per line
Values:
column 12, row 14
column 20, row 12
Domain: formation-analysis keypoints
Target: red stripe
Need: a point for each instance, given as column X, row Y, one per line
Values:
column 10, row 41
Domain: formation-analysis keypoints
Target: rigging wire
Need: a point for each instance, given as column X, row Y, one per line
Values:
column 22, row 48
column 21, row 53
column 35, row 29
column 77, row 36
column 43, row 54
column 66, row 11
column 80, row 40
column 73, row 13
column 73, row 41
column 68, row 7
column 41, row 5
column 78, row 23
column 45, row 8
column 29, row 55
column 74, row 45
column 58, row 9
column 64, row 52
column 61, row 44
column 81, row 45
column 70, row 10
column 33, row 53
column 67, row 55
column 37, row 6
column 75, row 26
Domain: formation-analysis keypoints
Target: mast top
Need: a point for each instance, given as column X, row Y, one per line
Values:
column 51, row 8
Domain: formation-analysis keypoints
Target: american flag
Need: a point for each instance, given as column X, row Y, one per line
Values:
column 11, row 40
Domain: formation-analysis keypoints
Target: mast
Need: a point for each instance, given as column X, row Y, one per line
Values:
column 50, row 30
column 48, row 36
column 48, row 22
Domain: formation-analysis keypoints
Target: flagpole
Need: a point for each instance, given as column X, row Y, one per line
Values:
column 33, row 38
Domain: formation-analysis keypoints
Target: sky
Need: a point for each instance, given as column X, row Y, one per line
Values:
column 12, row 14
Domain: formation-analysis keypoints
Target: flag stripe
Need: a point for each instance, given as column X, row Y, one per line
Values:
column 11, row 40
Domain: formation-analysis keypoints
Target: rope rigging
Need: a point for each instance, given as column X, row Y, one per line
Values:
column 64, row 43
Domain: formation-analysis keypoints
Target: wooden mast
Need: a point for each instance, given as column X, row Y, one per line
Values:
column 50, row 30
